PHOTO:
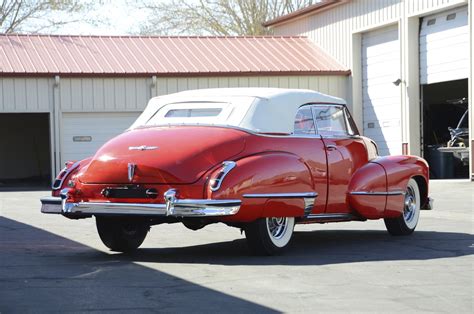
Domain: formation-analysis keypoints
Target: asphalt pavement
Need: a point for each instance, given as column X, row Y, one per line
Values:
column 52, row 264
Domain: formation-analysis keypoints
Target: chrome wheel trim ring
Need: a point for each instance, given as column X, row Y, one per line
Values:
column 280, row 230
column 411, row 206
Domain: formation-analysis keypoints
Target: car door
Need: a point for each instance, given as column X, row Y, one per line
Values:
column 345, row 152
column 312, row 150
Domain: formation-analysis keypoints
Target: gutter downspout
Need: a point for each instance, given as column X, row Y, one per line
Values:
column 57, row 126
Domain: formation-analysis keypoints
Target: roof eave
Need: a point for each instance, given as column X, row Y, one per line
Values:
column 310, row 10
column 180, row 74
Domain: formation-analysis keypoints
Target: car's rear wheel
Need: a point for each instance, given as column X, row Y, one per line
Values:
column 269, row 236
column 406, row 223
column 121, row 235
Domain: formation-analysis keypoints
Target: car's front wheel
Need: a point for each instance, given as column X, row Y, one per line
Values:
column 406, row 223
column 269, row 236
column 121, row 235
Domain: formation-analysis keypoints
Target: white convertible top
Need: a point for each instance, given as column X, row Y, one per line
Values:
column 261, row 110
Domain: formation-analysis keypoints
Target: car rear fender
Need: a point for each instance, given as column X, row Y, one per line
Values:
column 367, row 191
column 271, row 174
column 399, row 170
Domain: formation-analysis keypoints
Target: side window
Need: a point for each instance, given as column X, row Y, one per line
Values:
column 330, row 120
column 304, row 123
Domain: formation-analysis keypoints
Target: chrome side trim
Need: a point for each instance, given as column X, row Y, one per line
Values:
column 390, row 193
column 282, row 195
column 338, row 217
column 216, row 183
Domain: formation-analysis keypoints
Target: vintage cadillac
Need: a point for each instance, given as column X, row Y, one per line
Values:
column 259, row 159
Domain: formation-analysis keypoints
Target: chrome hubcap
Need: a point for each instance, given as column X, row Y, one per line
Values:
column 277, row 226
column 410, row 205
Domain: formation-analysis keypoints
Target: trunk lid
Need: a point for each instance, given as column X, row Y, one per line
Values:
column 171, row 155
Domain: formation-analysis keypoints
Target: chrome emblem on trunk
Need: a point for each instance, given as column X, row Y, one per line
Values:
column 143, row 147
column 131, row 171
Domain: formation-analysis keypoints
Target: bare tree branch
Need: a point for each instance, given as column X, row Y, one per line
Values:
column 39, row 14
column 215, row 17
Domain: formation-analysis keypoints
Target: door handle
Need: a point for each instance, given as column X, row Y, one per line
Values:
column 331, row 147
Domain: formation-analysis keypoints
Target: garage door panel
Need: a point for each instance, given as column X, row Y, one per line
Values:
column 91, row 130
column 381, row 100
column 444, row 47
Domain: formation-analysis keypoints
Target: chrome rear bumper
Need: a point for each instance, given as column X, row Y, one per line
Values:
column 173, row 207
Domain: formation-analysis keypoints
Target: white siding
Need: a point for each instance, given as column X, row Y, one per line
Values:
column 104, row 94
column 444, row 47
column 18, row 94
column 332, row 85
column 332, row 29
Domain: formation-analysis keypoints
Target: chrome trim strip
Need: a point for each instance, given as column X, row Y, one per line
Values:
column 390, row 193
column 227, row 166
column 331, row 216
column 282, row 195
column 142, row 147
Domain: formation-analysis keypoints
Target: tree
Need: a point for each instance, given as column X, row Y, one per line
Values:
column 33, row 16
column 216, row 17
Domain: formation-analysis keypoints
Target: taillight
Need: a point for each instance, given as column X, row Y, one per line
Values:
column 58, row 182
column 216, row 182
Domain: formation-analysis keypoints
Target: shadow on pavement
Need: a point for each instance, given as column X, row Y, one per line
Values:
column 322, row 248
column 43, row 272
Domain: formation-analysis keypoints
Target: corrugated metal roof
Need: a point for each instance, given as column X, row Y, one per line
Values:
column 163, row 56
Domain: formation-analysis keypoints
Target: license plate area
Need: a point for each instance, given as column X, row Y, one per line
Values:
column 129, row 192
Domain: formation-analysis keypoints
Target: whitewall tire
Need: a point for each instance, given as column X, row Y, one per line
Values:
column 407, row 222
column 269, row 236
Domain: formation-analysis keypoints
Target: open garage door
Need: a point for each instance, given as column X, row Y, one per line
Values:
column 84, row 133
column 24, row 149
column 444, row 71
column 381, row 97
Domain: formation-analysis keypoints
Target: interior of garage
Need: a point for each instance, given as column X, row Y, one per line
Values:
column 25, row 149
column 444, row 106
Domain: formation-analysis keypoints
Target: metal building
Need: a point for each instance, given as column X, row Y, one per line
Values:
column 62, row 97
column 411, row 71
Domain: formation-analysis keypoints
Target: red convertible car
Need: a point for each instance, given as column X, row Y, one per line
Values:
column 259, row 159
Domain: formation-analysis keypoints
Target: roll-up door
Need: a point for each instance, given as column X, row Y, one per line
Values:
column 381, row 97
column 84, row 133
column 444, row 47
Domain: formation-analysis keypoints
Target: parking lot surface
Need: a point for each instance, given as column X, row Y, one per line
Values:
column 52, row 264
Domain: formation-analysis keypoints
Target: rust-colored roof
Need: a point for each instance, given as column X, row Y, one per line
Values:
column 163, row 56
column 311, row 9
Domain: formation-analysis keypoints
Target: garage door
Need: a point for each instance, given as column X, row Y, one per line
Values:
column 381, row 98
column 444, row 47
column 84, row 133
